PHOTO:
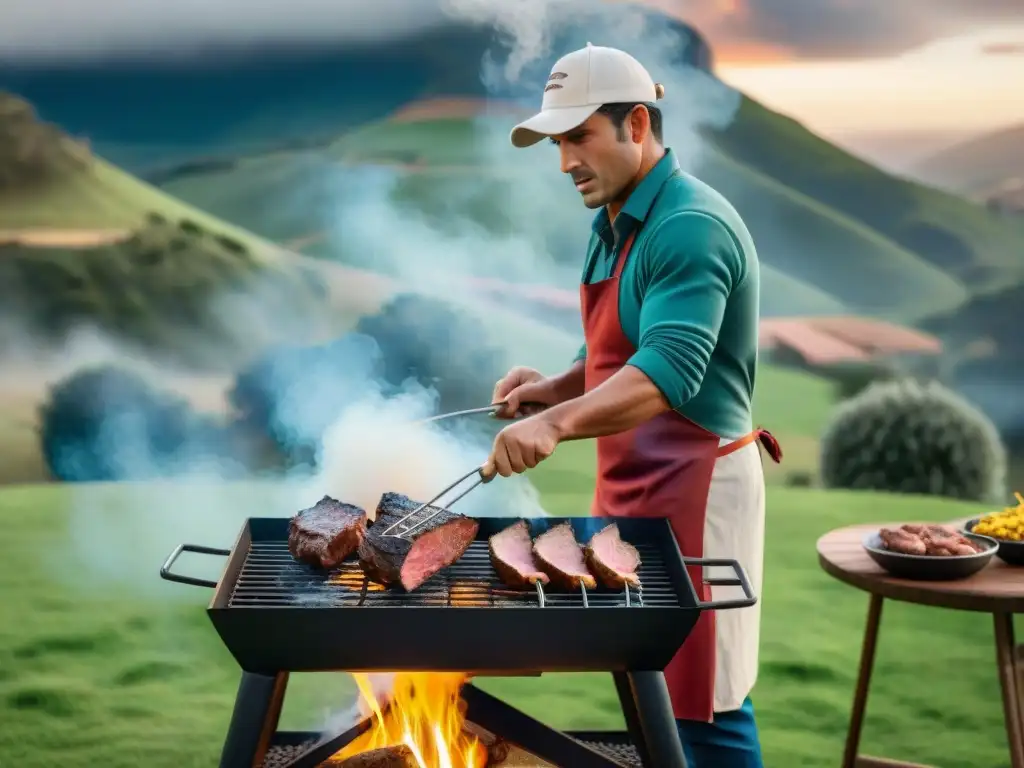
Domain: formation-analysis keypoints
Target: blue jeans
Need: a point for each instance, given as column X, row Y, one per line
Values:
column 731, row 741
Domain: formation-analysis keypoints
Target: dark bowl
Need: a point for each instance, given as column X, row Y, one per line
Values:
column 930, row 567
column 1010, row 552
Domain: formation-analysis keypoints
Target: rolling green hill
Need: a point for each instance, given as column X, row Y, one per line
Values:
column 958, row 236
column 818, row 260
column 979, row 165
column 85, row 245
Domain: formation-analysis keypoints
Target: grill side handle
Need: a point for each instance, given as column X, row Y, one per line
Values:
column 165, row 569
column 740, row 581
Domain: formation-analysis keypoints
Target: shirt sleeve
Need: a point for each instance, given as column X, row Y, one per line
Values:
column 689, row 268
column 581, row 355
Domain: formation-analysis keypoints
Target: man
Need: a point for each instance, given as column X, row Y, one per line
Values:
column 669, row 296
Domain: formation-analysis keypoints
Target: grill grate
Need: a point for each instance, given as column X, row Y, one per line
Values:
column 272, row 578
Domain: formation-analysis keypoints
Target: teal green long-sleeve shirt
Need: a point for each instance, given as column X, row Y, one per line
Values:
column 688, row 296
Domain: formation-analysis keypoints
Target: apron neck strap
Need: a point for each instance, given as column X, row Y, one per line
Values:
column 620, row 260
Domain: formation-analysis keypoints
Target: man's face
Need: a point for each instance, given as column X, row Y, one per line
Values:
column 601, row 161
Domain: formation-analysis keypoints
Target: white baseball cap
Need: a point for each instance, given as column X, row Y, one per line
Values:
column 579, row 84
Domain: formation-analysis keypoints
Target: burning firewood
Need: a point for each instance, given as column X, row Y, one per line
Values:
column 497, row 752
column 497, row 748
column 389, row 757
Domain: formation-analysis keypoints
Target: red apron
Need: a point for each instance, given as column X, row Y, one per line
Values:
column 661, row 468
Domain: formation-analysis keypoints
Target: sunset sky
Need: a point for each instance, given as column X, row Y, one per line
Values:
column 893, row 79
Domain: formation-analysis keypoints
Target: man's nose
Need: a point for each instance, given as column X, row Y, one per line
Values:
column 569, row 161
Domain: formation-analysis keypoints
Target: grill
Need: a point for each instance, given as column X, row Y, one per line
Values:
column 277, row 616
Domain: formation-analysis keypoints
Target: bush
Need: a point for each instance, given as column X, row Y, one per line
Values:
column 294, row 393
column 437, row 345
column 108, row 424
column 906, row 437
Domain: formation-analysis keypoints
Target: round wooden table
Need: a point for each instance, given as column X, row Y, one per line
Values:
column 998, row 590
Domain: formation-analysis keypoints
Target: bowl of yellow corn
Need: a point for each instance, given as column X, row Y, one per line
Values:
column 1005, row 526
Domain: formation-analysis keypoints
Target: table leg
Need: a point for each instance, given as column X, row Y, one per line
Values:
column 1006, row 663
column 860, row 694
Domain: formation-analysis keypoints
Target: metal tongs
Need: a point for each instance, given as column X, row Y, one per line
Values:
column 490, row 410
column 476, row 471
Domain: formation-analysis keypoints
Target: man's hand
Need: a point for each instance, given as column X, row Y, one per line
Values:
column 521, row 446
column 523, row 385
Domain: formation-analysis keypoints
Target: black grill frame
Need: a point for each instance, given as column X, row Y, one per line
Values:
column 521, row 636
column 563, row 636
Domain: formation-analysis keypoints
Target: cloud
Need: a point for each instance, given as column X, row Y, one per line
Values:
column 1003, row 49
column 74, row 28
column 804, row 28
column 834, row 29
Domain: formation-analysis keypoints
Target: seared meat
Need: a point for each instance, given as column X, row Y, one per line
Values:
column 326, row 533
column 935, row 540
column 612, row 560
column 411, row 559
column 560, row 556
column 512, row 556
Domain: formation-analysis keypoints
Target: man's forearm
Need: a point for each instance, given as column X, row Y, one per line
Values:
column 569, row 384
column 624, row 401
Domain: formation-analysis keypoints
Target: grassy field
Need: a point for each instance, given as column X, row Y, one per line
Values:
column 102, row 663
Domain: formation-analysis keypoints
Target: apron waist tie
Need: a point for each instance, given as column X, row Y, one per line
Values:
column 766, row 438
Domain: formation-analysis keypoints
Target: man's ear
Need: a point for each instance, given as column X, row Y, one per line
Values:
column 639, row 124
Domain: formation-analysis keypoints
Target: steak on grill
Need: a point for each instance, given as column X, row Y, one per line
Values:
column 326, row 533
column 512, row 556
column 411, row 559
column 560, row 556
column 611, row 559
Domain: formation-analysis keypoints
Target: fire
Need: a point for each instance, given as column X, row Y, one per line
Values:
column 425, row 714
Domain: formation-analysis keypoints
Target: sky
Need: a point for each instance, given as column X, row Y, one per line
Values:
column 892, row 76
column 894, row 80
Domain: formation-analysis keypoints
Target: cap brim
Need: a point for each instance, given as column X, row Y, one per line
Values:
column 550, row 122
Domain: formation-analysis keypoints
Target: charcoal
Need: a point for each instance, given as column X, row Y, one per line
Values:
column 326, row 533
column 612, row 560
column 560, row 556
column 410, row 559
column 512, row 556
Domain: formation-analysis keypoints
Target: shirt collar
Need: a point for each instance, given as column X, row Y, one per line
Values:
column 639, row 203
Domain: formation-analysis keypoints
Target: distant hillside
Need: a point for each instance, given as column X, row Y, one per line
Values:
column 255, row 99
column 978, row 166
column 955, row 235
column 86, row 246
column 818, row 259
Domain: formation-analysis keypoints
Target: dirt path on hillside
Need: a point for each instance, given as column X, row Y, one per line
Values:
column 46, row 237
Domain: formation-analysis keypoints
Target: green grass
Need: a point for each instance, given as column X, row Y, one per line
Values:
column 102, row 663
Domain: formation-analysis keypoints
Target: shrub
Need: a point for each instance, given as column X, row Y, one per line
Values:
column 107, row 424
column 190, row 227
column 294, row 393
column 907, row 437
column 438, row 345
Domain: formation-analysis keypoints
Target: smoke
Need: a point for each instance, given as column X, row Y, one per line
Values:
column 504, row 213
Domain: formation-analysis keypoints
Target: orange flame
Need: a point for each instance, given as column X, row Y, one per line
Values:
column 425, row 714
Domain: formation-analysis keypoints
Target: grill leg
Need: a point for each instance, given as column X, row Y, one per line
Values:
column 254, row 720
column 648, row 711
